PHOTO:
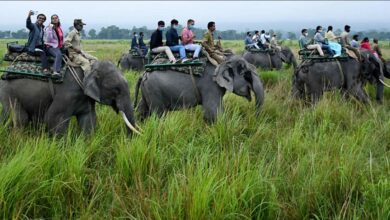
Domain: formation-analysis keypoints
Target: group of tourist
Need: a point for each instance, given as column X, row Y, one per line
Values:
column 261, row 40
column 333, row 44
column 44, row 41
column 182, row 43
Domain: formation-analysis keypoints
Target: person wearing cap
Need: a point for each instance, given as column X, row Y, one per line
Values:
column 156, row 43
column 35, row 45
column 54, row 40
column 73, row 44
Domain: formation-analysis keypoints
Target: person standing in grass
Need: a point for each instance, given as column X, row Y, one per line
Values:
column 54, row 41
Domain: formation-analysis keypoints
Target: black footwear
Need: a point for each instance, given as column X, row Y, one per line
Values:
column 195, row 60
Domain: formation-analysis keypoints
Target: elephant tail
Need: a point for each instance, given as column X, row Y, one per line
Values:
column 137, row 91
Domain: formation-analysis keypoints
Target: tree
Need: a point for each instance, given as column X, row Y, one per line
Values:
column 20, row 34
column 92, row 33
column 291, row 36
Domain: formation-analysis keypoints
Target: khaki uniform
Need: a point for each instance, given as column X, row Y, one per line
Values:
column 345, row 43
column 377, row 49
column 215, row 50
column 85, row 60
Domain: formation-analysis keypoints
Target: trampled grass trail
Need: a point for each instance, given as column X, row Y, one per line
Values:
column 293, row 161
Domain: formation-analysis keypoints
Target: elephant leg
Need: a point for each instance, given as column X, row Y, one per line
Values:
column 298, row 88
column 359, row 93
column 211, row 110
column 20, row 116
column 57, row 119
column 87, row 121
column 4, row 115
column 143, row 109
column 379, row 92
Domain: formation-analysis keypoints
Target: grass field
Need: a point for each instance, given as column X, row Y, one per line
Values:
column 294, row 161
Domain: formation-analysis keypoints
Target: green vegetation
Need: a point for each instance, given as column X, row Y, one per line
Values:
column 294, row 161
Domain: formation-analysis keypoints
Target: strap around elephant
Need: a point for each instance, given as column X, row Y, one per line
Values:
column 51, row 87
column 341, row 71
column 73, row 72
column 194, row 84
column 270, row 62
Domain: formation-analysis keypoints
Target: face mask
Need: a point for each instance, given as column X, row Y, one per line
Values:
column 135, row 35
column 190, row 26
column 161, row 28
column 306, row 34
column 174, row 26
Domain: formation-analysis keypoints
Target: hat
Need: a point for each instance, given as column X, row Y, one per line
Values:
column 78, row 21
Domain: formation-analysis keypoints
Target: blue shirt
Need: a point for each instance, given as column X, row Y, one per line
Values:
column 134, row 42
column 248, row 40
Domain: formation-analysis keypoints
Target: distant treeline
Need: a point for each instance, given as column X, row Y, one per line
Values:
column 114, row 32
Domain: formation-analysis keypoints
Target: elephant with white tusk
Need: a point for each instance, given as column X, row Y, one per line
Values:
column 33, row 100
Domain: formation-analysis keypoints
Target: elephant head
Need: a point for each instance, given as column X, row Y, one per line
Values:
column 288, row 57
column 238, row 76
column 386, row 68
column 106, row 85
column 372, row 67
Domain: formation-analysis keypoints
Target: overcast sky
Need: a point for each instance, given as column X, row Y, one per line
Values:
column 227, row 14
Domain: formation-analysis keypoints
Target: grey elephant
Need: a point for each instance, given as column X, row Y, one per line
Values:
column 271, row 61
column 171, row 90
column 310, row 80
column 36, row 101
column 128, row 61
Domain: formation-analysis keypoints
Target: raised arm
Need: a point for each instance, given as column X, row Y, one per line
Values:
column 29, row 24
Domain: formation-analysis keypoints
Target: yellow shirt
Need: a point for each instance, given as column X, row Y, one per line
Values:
column 330, row 36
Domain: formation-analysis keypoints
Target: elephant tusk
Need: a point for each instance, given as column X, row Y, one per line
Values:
column 384, row 83
column 128, row 123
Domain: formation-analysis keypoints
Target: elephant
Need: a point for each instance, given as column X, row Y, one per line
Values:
column 128, row 61
column 54, row 104
column 270, row 61
column 350, row 76
column 171, row 90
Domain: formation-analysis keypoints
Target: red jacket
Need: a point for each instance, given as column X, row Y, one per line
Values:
column 366, row 45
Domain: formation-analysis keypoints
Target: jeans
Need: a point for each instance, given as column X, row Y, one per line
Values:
column 327, row 48
column 194, row 47
column 56, row 53
column 181, row 50
column 41, row 52
column 145, row 49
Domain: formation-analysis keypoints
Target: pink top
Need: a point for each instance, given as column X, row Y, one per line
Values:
column 186, row 36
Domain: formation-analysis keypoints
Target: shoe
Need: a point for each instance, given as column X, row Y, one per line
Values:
column 195, row 60
column 185, row 60
column 56, row 75
column 46, row 72
column 336, row 55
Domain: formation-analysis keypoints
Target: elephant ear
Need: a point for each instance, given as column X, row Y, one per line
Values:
column 91, row 87
column 224, row 75
column 283, row 55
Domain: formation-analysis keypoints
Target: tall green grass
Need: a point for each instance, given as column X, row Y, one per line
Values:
column 293, row 161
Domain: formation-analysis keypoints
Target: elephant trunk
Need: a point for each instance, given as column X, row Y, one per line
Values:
column 127, row 112
column 257, row 88
column 293, row 61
